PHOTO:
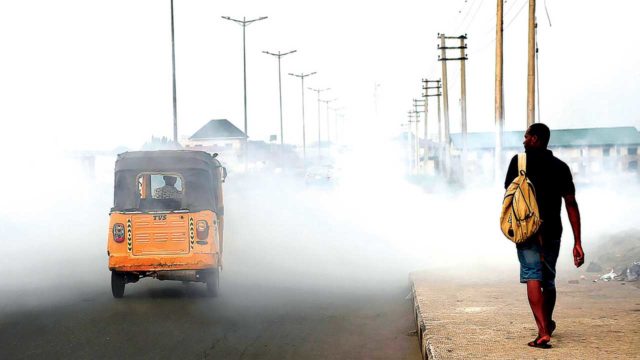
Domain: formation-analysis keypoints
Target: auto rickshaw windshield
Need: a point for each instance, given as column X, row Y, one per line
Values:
column 160, row 191
column 141, row 177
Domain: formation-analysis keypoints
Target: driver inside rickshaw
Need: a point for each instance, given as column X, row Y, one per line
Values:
column 168, row 191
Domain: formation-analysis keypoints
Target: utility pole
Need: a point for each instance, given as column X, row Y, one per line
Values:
column 244, row 23
column 304, row 138
column 438, row 94
column 444, row 59
column 426, row 95
column 531, row 78
column 409, row 145
column 279, row 56
column 445, row 104
column 463, row 90
column 173, row 64
column 499, row 105
column 318, row 91
column 438, row 88
column 416, row 104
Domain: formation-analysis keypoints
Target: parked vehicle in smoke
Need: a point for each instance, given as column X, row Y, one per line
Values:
column 320, row 175
column 167, row 219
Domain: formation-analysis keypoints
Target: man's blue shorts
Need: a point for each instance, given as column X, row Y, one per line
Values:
column 538, row 262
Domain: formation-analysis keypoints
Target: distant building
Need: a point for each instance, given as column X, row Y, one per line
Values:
column 586, row 151
column 222, row 137
column 218, row 136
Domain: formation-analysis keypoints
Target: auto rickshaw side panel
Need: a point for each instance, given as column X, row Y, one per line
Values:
column 164, row 241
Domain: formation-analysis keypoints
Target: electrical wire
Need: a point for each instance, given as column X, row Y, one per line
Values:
column 504, row 29
column 492, row 28
column 517, row 14
column 547, row 11
column 455, row 18
column 513, row 5
column 467, row 13
column 474, row 16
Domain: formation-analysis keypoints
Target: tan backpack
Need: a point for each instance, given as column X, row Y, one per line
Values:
column 520, row 218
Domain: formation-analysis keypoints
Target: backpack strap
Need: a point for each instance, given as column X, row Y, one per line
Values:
column 522, row 164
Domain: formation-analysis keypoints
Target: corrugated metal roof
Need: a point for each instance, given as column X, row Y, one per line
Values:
column 623, row 135
column 218, row 129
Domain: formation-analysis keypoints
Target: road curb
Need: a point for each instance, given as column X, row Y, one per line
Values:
column 426, row 347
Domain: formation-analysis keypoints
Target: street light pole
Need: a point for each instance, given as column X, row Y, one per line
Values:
column 279, row 56
column 304, row 137
column 244, row 23
column 318, row 91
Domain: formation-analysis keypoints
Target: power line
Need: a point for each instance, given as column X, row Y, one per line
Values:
column 492, row 29
column 515, row 17
column 455, row 18
column 474, row 16
column 466, row 14
column 547, row 11
column 504, row 29
column 513, row 5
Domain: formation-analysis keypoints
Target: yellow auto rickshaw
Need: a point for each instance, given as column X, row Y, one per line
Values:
column 167, row 218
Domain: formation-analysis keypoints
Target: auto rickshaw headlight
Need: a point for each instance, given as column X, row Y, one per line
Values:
column 118, row 233
column 202, row 229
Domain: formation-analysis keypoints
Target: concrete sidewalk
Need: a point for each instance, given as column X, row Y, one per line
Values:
column 459, row 319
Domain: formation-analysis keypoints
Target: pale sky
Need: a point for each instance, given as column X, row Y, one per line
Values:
column 78, row 74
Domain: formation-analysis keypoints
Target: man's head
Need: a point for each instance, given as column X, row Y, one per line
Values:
column 169, row 180
column 537, row 137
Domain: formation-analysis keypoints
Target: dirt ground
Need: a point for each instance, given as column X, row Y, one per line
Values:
column 465, row 319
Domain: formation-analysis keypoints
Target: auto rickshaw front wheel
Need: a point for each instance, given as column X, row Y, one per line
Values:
column 118, row 280
column 213, row 282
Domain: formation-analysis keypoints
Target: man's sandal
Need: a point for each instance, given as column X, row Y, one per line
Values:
column 536, row 343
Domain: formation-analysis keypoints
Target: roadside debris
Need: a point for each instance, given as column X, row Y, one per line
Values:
column 607, row 277
column 631, row 273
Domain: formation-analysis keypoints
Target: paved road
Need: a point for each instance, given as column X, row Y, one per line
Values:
column 169, row 321
column 297, row 284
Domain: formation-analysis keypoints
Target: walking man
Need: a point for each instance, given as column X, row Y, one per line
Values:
column 552, row 181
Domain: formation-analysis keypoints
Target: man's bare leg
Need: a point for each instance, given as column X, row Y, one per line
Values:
column 549, row 300
column 536, row 301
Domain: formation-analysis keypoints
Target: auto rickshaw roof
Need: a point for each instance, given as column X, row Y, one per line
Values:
column 165, row 160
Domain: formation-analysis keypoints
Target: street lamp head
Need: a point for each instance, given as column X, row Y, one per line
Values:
column 302, row 75
column 279, row 54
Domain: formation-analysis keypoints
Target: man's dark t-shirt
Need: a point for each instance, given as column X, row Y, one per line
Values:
column 552, row 180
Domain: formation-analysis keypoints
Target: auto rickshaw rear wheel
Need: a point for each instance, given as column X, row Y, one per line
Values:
column 213, row 282
column 118, row 280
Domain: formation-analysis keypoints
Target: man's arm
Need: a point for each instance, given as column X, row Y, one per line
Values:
column 574, row 218
column 512, row 171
